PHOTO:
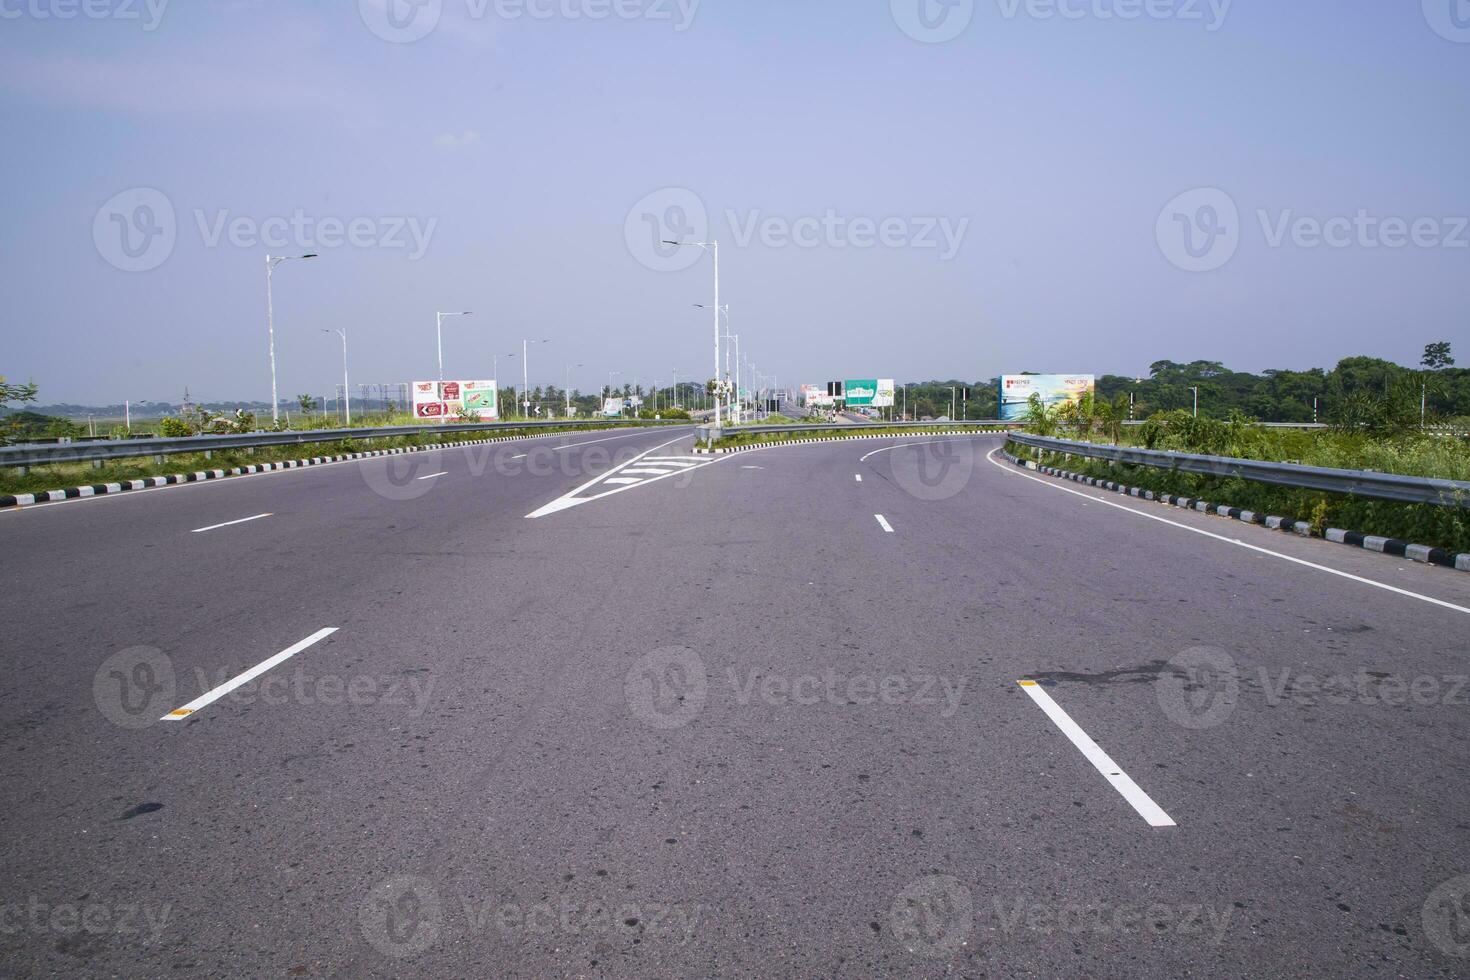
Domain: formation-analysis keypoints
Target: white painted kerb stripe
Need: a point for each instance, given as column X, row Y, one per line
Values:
column 203, row 701
column 1121, row 781
column 883, row 523
column 243, row 520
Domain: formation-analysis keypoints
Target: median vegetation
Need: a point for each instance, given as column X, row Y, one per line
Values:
column 846, row 432
column 1381, row 439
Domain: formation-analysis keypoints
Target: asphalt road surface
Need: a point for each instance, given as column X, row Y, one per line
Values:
column 819, row 710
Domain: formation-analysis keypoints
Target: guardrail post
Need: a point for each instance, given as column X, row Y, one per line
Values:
column 158, row 460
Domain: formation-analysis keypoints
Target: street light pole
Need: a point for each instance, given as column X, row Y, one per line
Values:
column 567, row 388
column 439, row 333
column 1196, row 401
column 526, row 374
column 346, row 389
column 271, row 261
column 714, row 249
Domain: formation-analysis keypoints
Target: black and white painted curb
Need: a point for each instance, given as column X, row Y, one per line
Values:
column 1388, row 546
column 98, row 489
column 700, row 451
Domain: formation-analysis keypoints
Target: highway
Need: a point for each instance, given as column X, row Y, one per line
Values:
column 886, row 707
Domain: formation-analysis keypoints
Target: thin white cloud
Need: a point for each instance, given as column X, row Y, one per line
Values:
column 453, row 141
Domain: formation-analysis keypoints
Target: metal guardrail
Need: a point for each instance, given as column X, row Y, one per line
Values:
column 1356, row 483
column 40, row 455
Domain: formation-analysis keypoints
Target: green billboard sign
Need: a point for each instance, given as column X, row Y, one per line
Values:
column 861, row 392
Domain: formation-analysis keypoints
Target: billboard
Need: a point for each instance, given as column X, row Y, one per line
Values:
column 427, row 404
column 884, row 398
column 1055, row 389
column 480, row 398
column 612, row 406
column 816, row 396
column 435, row 401
column 860, row 392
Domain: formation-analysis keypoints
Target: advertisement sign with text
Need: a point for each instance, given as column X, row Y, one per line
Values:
column 1055, row 389
column 860, row 392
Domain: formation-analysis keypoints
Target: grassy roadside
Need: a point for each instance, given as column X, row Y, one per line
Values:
column 63, row 475
column 758, row 438
column 1445, row 527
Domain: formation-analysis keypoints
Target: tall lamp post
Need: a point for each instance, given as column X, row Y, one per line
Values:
column 271, row 261
column 526, row 373
column 567, row 388
column 714, row 249
column 346, row 391
column 1196, row 401
column 439, row 334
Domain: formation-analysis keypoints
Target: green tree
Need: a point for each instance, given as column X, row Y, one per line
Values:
column 1437, row 356
column 306, row 402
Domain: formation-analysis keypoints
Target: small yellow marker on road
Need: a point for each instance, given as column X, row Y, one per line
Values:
column 1026, row 683
column 179, row 713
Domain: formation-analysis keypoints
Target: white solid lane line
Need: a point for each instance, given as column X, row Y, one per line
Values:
column 1013, row 471
column 434, row 475
column 204, row 700
column 645, row 471
column 928, row 442
column 243, row 520
column 883, row 523
column 619, row 481
column 1122, row 782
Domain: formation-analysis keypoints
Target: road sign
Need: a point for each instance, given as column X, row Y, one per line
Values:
column 860, row 392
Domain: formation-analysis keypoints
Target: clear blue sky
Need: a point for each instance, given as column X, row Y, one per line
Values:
column 527, row 142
